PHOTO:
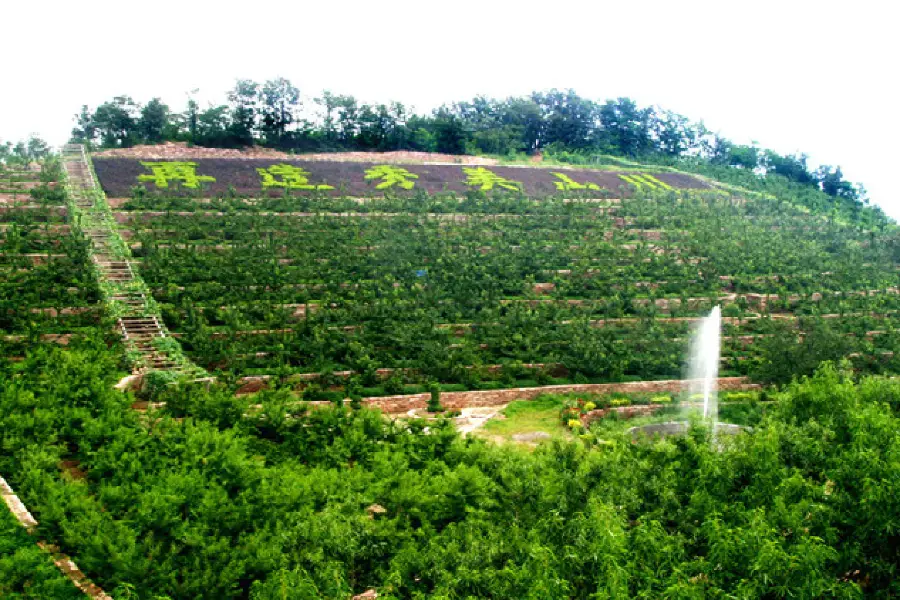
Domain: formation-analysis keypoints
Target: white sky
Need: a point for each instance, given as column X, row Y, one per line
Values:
column 819, row 77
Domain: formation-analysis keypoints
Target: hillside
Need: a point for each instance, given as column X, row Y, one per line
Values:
column 247, row 314
column 598, row 282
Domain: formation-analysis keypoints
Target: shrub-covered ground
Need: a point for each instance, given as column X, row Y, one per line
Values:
column 225, row 502
column 442, row 287
column 43, row 269
column 26, row 571
column 216, row 496
column 46, row 283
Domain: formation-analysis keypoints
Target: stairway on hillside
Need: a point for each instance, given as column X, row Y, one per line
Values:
column 139, row 325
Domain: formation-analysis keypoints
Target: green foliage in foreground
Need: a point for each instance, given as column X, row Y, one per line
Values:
column 274, row 505
column 26, row 571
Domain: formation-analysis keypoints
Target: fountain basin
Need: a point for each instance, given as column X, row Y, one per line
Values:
column 681, row 427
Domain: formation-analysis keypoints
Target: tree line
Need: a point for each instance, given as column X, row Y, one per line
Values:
column 273, row 115
column 23, row 151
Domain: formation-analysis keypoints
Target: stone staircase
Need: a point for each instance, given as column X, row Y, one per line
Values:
column 139, row 325
column 140, row 334
column 80, row 175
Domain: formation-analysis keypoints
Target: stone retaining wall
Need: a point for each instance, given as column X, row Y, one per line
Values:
column 460, row 400
column 16, row 507
column 65, row 564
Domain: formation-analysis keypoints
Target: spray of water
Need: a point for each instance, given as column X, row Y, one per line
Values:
column 703, row 363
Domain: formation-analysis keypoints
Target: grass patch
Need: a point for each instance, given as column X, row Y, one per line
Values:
column 528, row 416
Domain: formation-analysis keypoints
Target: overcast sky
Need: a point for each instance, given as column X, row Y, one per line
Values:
column 819, row 77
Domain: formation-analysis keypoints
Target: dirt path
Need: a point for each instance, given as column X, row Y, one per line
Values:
column 473, row 419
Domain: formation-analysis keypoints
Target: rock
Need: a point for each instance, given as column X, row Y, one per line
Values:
column 366, row 595
column 129, row 382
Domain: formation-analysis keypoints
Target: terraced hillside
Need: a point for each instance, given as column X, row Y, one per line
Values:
column 206, row 494
column 383, row 293
column 49, row 297
column 47, row 286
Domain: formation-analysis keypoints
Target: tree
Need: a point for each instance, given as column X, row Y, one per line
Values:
column 449, row 132
column 398, row 132
column 625, row 128
column 378, row 126
column 420, row 134
column 115, row 122
column 20, row 151
column 85, row 130
column 674, row 133
column 244, row 108
column 832, row 182
column 434, row 398
column 746, row 157
column 786, row 355
column 154, row 121
column 524, row 114
column 191, row 116
column 713, row 147
column 280, row 100
column 329, row 103
column 348, row 119
column 32, row 149
column 213, row 126
column 569, row 120
column 793, row 167
column 37, row 148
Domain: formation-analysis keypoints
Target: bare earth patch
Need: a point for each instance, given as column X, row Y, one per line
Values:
column 474, row 418
column 179, row 150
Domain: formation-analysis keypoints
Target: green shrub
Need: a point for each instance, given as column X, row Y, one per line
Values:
column 434, row 398
column 739, row 397
column 394, row 384
column 155, row 383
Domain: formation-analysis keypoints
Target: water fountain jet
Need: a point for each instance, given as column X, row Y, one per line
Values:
column 703, row 365
column 702, row 380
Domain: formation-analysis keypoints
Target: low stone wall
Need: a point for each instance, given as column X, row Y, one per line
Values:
column 16, row 507
column 65, row 564
column 252, row 384
column 61, row 211
column 460, row 400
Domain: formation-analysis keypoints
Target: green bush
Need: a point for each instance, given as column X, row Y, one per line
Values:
column 394, row 384
column 738, row 397
column 26, row 571
column 434, row 398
